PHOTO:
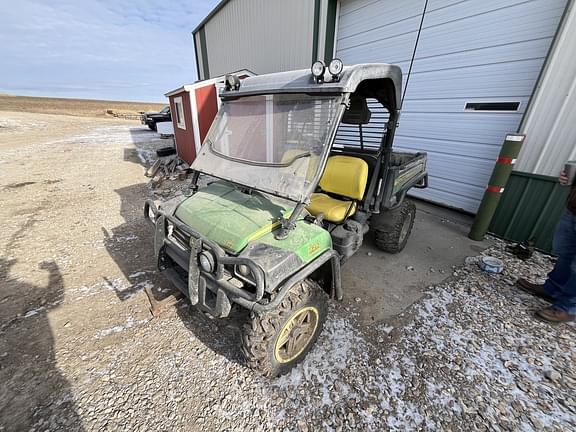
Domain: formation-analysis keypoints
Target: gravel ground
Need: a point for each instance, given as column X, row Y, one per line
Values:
column 80, row 351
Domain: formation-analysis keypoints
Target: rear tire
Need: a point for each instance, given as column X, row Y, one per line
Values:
column 275, row 341
column 392, row 228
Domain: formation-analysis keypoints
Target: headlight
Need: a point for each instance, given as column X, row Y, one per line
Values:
column 335, row 67
column 244, row 273
column 207, row 262
column 231, row 82
column 318, row 69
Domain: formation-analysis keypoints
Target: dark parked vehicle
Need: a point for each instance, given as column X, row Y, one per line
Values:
column 151, row 118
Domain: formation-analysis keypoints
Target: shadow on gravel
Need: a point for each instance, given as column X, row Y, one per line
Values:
column 131, row 245
column 222, row 335
column 33, row 392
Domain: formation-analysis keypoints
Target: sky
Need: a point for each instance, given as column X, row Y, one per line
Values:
column 134, row 50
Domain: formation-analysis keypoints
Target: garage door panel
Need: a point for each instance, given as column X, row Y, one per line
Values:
column 465, row 201
column 349, row 6
column 400, row 42
column 476, row 34
column 459, row 129
column 496, row 80
column 457, row 168
column 489, row 11
column 453, row 148
column 460, row 189
column 501, row 54
column 379, row 14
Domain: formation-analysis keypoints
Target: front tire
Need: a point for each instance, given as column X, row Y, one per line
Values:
column 275, row 341
column 392, row 228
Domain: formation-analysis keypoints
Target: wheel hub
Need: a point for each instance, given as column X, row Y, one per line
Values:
column 296, row 334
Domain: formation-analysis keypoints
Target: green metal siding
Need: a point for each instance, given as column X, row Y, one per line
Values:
column 330, row 30
column 316, row 30
column 530, row 208
column 204, row 51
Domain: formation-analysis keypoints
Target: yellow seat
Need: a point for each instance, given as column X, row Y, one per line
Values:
column 302, row 166
column 334, row 210
column 344, row 176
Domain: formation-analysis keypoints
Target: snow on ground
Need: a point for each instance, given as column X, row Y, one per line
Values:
column 137, row 138
column 468, row 356
column 11, row 124
column 471, row 354
column 130, row 322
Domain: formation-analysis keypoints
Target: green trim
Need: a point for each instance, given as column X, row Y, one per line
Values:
column 196, row 56
column 330, row 30
column 316, row 29
column 535, row 176
column 204, row 51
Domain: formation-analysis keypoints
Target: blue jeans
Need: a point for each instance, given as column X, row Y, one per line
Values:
column 561, row 282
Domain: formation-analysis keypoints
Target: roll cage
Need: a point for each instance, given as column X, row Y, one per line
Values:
column 357, row 84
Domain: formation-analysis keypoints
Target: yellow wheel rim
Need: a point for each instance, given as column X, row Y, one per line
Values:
column 296, row 334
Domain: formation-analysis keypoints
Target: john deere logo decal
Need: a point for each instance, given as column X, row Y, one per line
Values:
column 313, row 248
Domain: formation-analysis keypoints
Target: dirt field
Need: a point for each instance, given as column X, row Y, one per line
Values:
column 75, row 107
column 79, row 349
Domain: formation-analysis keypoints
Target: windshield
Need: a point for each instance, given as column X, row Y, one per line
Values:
column 273, row 143
column 165, row 109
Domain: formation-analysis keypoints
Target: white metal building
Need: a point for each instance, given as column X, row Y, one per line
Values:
column 477, row 69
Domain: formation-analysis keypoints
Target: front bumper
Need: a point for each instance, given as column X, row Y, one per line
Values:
column 177, row 248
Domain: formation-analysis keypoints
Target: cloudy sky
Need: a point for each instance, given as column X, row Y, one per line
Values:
column 99, row 49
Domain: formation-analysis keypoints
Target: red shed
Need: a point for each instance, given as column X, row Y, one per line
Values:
column 193, row 108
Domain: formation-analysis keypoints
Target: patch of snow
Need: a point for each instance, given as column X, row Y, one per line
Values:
column 138, row 274
column 387, row 329
column 336, row 350
column 128, row 238
column 10, row 124
column 146, row 156
column 33, row 312
column 116, row 285
column 130, row 322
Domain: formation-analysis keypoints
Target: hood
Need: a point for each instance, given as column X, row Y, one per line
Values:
column 229, row 217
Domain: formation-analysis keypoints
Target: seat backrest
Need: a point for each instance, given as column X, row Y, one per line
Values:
column 357, row 113
column 310, row 162
column 345, row 176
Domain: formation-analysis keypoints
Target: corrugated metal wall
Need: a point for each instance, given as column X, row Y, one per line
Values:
column 530, row 208
column 469, row 51
column 549, row 124
column 260, row 35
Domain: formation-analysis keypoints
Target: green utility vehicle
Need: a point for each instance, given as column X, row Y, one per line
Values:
column 295, row 179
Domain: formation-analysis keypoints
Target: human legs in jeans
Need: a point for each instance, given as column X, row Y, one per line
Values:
column 561, row 282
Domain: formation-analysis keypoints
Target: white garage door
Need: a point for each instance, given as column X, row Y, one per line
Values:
column 476, row 64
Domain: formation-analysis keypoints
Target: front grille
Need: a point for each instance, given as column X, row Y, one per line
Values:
column 181, row 237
